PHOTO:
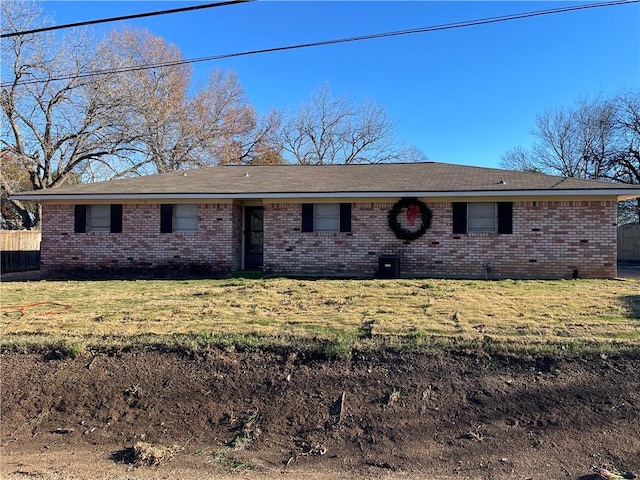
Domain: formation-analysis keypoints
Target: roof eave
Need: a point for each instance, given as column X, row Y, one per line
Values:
column 620, row 194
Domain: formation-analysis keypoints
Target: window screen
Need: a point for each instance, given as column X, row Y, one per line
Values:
column 98, row 218
column 185, row 217
column 326, row 217
column 481, row 217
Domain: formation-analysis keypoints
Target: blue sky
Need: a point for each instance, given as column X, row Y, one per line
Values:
column 461, row 96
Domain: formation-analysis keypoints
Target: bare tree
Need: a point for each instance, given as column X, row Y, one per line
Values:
column 572, row 142
column 151, row 101
column 175, row 129
column 625, row 165
column 519, row 158
column 594, row 139
column 234, row 132
column 332, row 129
column 134, row 117
column 52, row 127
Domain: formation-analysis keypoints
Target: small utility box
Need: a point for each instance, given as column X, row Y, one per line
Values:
column 389, row 266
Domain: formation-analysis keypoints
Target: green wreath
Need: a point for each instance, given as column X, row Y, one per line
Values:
column 415, row 210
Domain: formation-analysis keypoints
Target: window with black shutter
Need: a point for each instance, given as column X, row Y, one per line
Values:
column 98, row 218
column 180, row 218
column 482, row 217
column 326, row 217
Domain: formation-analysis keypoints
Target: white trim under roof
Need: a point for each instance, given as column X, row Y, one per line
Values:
column 621, row 194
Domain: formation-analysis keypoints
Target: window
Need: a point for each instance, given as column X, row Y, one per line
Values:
column 178, row 218
column 98, row 218
column 185, row 218
column 483, row 217
column 326, row 217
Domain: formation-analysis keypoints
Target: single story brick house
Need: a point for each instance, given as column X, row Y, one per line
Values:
column 412, row 220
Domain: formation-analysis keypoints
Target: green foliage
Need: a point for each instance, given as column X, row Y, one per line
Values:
column 64, row 348
column 223, row 457
column 366, row 329
column 247, row 430
column 339, row 347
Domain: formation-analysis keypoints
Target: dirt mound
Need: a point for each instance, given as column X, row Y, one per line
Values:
column 432, row 415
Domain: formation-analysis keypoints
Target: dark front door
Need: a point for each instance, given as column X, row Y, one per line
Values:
column 253, row 232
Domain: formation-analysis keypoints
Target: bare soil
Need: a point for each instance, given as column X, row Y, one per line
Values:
column 265, row 414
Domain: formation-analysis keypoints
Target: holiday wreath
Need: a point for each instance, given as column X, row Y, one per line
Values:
column 416, row 221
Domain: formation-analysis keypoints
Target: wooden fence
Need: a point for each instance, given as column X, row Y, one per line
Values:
column 629, row 243
column 19, row 250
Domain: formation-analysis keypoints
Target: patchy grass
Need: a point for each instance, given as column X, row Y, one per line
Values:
column 225, row 458
column 247, row 429
column 335, row 313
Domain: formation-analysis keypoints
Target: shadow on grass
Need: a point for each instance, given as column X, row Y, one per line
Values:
column 248, row 274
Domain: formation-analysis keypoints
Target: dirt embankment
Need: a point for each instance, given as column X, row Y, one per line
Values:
column 270, row 415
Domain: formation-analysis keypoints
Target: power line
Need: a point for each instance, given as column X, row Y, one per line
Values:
column 448, row 26
column 125, row 17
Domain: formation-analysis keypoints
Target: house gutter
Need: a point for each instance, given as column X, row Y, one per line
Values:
column 620, row 194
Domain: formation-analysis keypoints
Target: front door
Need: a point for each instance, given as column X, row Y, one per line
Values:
column 253, row 233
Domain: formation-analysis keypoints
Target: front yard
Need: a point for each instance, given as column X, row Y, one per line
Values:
column 516, row 312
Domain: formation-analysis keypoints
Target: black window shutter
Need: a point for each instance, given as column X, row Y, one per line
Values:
column 459, row 217
column 307, row 217
column 80, row 219
column 505, row 217
column 116, row 218
column 166, row 218
column 345, row 217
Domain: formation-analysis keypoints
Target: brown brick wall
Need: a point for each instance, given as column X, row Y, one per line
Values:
column 141, row 245
column 550, row 239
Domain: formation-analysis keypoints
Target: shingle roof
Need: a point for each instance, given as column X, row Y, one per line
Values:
column 428, row 178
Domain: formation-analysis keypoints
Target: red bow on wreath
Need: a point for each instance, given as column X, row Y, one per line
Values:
column 412, row 213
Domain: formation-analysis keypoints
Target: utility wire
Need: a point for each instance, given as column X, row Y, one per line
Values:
column 448, row 26
column 126, row 17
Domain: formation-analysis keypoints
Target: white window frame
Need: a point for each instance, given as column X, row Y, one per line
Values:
column 99, row 217
column 185, row 220
column 330, row 217
column 479, row 220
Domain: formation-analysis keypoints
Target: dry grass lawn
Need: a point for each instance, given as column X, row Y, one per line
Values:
column 515, row 311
